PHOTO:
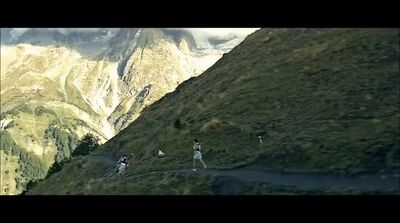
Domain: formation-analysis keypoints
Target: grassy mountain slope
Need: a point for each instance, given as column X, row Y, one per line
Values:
column 324, row 100
column 51, row 95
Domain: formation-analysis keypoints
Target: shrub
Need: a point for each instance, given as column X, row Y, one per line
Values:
column 210, row 126
column 178, row 124
column 88, row 144
column 56, row 167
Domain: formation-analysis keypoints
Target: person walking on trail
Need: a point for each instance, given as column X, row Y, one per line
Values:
column 122, row 164
column 197, row 154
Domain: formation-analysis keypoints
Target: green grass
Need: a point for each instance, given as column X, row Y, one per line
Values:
column 342, row 114
column 90, row 181
column 324, row 100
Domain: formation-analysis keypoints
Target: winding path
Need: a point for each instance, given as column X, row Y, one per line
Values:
column 305, row 181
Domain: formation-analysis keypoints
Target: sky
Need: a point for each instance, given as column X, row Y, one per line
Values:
column 220, row 32
column 199, row 33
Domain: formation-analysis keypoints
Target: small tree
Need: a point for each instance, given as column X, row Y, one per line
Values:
column 29, row 186
column 56, row 167
column 87, row 144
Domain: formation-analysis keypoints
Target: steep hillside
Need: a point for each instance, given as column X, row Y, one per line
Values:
column 323, row 100
column 57, row 87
